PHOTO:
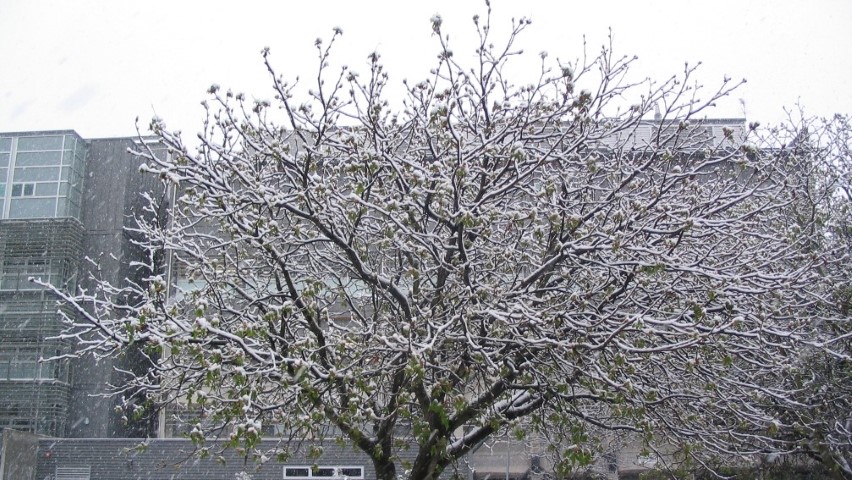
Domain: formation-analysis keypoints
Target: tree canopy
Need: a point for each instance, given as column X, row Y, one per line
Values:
column 572, row 259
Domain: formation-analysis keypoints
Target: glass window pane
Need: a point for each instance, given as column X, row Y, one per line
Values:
column 35, row 271
column 63, row 208
column 9, row 279
column 324, row 472
column 34, row 159
column 23, row 371
column 46, row 370
column 296, row 472
column 70, row 141
column 42, row 189
column 24, row 365
column 40, row 143
column 74, row 210
column 68, row 208
column 5, row 360
column 15, row 275
column 36, row 174
column 5, row 144
column 4, row 159
column 32, row 208
column 17, row 189
column 63, row 188
column 80, row 151
column 351, row 472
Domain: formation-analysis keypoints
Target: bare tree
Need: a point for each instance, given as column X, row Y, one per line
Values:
column 543, row 257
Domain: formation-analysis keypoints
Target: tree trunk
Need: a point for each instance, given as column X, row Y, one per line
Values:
column 427, row 467
column 385, row 469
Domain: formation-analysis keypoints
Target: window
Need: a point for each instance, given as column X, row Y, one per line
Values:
column 11, row 416
column 73, row 473
column 500, row 476
column 16, row 272
column 23, row 189
column 351, row 472
column 44, row 176
column 23, row 364
column 23, row 367
column 304, row 472
column 32, row 208
column 297, row 472
column 41, row 142
column 38, row 159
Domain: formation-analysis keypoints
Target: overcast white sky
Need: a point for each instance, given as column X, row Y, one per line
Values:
column 94, row 66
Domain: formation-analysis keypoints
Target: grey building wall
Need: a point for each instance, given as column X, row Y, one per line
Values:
column 112, row 200
column 174, row 459
column 177, row 459
column 18, row 451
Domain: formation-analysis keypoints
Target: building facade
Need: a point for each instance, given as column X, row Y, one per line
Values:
column 66, row 201
column 63, row 199
column 41, row 236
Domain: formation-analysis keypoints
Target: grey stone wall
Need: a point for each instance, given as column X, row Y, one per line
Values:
column 18, row 452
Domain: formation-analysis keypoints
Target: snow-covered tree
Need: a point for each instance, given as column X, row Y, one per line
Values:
column 822, row 377
column 482, row 256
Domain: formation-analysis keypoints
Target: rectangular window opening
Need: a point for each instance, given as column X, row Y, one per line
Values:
column 304, row 472
column 297, row 472
column 23, row 189
column 24, row 364
column 73, row 473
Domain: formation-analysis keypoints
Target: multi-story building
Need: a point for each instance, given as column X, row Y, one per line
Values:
column 65, row 205
column 66, row 201
column 41, row 236
column 63, row 199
